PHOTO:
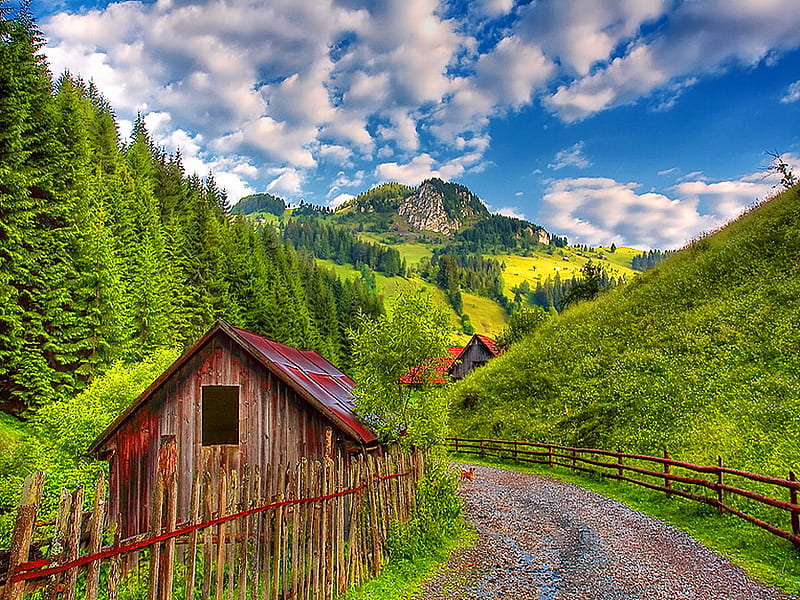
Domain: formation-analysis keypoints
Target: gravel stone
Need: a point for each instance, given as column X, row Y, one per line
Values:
column 543, row 539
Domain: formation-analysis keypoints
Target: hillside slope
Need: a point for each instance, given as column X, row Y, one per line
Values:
column 699, row 356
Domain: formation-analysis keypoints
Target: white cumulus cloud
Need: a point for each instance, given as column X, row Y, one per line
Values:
column 570, row 157
column 340, row 199
column 597, row 210
column 792, row 93
column 289, row 182
column 510, row 211
column 698, row 38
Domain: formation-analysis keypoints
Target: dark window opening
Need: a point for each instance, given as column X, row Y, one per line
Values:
column 220, row 415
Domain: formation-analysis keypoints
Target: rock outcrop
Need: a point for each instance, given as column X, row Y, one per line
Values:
column 441, row 207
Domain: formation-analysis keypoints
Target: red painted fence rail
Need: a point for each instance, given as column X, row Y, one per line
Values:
column 712, row 490
column 326, row 530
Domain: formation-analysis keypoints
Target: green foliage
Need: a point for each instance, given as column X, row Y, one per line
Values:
column 56, row 439
column 697, row 357
column 466, row 325
column 417, row 546
column 521, row 323
column 584, row 289
column 258, row 203
column 437, row 515
column 649, row 260
column 111, row 252
column 496, row 234
column 416, row 331
column 383, row 198
column 73, row 423
column 342, row 246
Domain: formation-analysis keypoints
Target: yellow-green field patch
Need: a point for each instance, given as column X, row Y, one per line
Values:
column 486, row 316
column 411, row 252
column 567, row 262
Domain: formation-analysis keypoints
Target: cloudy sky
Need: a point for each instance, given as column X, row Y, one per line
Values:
column 639, row 122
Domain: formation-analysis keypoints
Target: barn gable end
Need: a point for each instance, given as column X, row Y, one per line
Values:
column 479, row 350
column 288, row 401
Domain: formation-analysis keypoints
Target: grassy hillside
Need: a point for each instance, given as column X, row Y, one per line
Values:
column 699, row 356
column 486, row 316
column 549, row 261
column 411, row 252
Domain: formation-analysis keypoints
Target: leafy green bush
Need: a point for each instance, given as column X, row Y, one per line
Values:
column 56, row 439
column 415, row 333
column 436, row 519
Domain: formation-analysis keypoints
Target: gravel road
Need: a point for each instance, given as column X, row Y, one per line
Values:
column 542, row 539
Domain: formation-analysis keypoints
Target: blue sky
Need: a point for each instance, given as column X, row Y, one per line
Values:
column 639, row 122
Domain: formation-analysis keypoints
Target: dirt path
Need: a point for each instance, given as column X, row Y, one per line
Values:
column 541, row 539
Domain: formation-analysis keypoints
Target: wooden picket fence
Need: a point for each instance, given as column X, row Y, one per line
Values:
column 325, row 532
column 710, row 484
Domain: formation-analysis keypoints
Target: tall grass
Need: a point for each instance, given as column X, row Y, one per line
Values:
column 697, row 357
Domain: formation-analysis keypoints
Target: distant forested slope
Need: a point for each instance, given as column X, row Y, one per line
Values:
column 260, row 203
column 111, row 251
column 698, row 356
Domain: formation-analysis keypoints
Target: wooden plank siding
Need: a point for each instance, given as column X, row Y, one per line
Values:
column 276, row 427
column 473, row 355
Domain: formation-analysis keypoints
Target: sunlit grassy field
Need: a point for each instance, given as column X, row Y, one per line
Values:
column 487, row 317
column 411, row 252
column 542, row 265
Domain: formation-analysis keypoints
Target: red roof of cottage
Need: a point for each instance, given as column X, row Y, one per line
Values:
column 490, row 344
column 314, row 378
column 433, row 370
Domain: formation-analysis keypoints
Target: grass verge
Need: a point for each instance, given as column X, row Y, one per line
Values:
column 763, row 556
column 403, row 577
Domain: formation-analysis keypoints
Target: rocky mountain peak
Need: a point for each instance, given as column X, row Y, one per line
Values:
column 442, row 207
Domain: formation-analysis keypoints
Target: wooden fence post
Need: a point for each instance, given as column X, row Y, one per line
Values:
column 208, row 534
column 115, row 564
column 258, row 535
column 156, row 507
column 233, row 527
column 23, row 532
column 58, row 548
column 619, row 463
column 795, row 510
column 244, row 529
column 191, row 553
column 74, row 543
column 549, row 455
column 168, row 466
column 667, row 480
column 720, row 496
column 222, row 503
column 96, row 537
column 277, row 535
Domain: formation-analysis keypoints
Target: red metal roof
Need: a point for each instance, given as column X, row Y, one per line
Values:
column 317, row 377
column 309, row 374
column 433, row 370
column 489, row 343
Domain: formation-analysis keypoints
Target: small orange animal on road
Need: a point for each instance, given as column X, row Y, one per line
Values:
column 467, row 474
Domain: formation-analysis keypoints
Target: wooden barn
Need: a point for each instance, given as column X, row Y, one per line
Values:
column 234, row 399
column 478, row 351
